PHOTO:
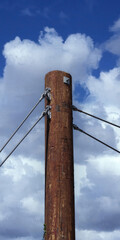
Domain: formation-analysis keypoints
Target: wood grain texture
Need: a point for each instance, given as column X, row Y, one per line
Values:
column 59, row 171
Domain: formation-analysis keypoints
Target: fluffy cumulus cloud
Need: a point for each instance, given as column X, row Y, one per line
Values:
column 106, row 87
column 98, row 212
column 97, row 216
column 112, row 45
column 96, row 169
column 20, row 183
column 27, row 62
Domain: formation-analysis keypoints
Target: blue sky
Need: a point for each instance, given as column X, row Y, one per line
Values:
column 26, row 19
column 82, row 38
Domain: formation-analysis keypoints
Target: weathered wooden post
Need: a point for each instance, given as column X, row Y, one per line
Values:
column 59, row 170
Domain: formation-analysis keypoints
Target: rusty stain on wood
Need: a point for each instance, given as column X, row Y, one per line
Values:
column 59, row 171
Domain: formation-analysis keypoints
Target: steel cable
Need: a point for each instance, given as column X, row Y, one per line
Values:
column 77, row 128
column 42, row 115
column 79, row 110
column 41, row 98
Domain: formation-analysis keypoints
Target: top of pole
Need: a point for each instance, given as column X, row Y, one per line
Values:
column 59, row 71
column 59, row 80
column 67, row 78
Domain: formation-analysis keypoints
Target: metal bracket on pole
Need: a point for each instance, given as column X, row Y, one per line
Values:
column 48, row 112
column 47, row 94
column 66, row 80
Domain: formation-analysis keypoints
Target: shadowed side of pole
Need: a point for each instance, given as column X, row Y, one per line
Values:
column 59, row 171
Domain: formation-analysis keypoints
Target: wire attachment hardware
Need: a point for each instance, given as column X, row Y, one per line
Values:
column 47, row 94
column 66, row 80
column 47, row 111
column 76, row 127
column 74, row 108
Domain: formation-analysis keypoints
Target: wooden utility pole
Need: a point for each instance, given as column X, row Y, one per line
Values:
column 59, row 171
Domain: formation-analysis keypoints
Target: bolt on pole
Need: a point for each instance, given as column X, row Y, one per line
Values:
column 59, row 168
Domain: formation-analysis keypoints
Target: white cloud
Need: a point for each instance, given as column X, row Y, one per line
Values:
column 116, row 26
column 32, row 205
column 106, row 89
column 27, row 63
column 112, row 44
column 106, row 165
column 93, row 235
column 81, row 180
column 26, row 165
column 22, row 199
column 22, row 176
column 76, row 54
column 98, row 207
